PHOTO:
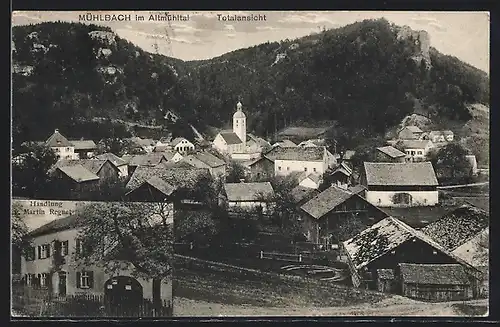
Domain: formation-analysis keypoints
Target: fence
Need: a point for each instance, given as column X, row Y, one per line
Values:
column 286, row 257
column 40, row 303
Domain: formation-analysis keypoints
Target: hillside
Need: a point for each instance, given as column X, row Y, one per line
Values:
column 368, row 75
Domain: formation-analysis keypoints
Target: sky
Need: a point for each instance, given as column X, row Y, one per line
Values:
column 465, row 35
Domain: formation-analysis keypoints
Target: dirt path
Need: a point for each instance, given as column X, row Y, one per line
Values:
column 395, row 306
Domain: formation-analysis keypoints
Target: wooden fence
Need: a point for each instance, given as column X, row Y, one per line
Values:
column 286, row 257
column 40, row 303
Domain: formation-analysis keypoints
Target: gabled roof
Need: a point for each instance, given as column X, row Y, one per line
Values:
column 384, row 236
column 475, row 251
column 177, row 177
column 285, row 144
column 326, row 201
column 413, row 129
column 230, row 138
column 69, row 222
column 142, row 142
column 434, row 274
column 253, row 162
column 114, row 159
column 400, row 174
column 343, row 169
column 150, row 159
column 92, row 165
column 84, row 144
column 421, row 216
column 391, row 151
column 209, row 159
column 301, row 193
column 416, row 144
column 78, row 173
column 296, row 153
column 178, row 140
column 57, row 140
column 313, row 177
column 458, row 227
column 248, row 191
column 161, row 148
column 158, row 184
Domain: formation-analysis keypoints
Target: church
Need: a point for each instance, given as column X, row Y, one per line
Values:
column 236, row 143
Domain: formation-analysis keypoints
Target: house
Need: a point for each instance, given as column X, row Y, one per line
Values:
column 165, row 140
column 416, row 150
column 261, row 169
column 182, row 145
column 329, row 216
column 309, row 180
column 421, row 216
column 157, row 183
column 229, row 142
column 473, row 163
column 103, row 168
column 257, row 144
column 301, row 194
column 147, row 145
column 148, row 160
column 400, row 184
column 389, row 154
column 74, row 277
column 215, row 165
column 439, row 136
column 285, row 144
column 345, row 156
column 75, row 179
column 84, row 148
column 63, row 148
column 162, row 148
column 116, row 161
column 377, row 255
column 289, row 160
column 248, row 196
column 342, row 175
column 410, row 133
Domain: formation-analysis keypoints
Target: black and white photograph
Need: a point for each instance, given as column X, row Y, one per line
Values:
column 250, row 163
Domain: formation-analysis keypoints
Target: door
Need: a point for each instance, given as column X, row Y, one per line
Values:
column 123, row 296
column 62, row 283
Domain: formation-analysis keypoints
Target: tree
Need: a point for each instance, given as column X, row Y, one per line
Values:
column 140, row 234
column 285, row 212
column 236, row 172
column 30, row 176
column 451, row 164
column 195, row 226
column 347, row 227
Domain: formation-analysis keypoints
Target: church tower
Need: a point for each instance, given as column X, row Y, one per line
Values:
column 240, row 124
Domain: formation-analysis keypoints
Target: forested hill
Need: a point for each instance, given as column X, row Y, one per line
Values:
column 369, row 74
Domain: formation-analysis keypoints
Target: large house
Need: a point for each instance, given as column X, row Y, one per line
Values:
column 416, row 150
column 249, row 196
column 310, row 160
column 103, row 168
column 337, row 214
column 215, row 165
column 73, row 276
column 410, row 133
column 391, row 256
column 75, row 179
column 400, row 184
column 66, row 149
column 182, row 145
column 84, row 148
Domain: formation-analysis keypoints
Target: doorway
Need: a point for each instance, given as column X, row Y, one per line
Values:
column 62, row 283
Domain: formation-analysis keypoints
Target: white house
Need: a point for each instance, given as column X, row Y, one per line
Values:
column 439, row 136
column 400, row 184
column 63, row 148
column 182, row 145
column 248, row 196
column 417, row 150
column 310, row 180
column 310, row 160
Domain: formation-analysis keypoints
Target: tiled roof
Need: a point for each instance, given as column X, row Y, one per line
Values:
column 78, row 173
column 161, row 148
column 178, row 140
column 57, row 140
column 357, row 188
column 301, row 193
column 248, row 191
column 160, row 185
column 286, row 144
column 434, row 274
column 414, row 129
column 253, row 162
column 458, row 227
column 391, row 151
column 314, row 177
column 230, row 138
column 296, row 153
column 400, row 174
column 418, row 217
column 114, row 159
column 383, row 237
column 416, row 144
column 474, row 251
column 84, row 144
column 150, row 159
column 177, row 177
column 69, row 222
column 92, row 165
column 326, row 201
column 209, row 159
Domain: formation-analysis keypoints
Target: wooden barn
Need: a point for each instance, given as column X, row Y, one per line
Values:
column 377, row 256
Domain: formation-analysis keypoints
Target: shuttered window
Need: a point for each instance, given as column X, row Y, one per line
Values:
column 85, row 279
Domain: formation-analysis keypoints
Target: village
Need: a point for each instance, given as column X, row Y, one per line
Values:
column 293, row 207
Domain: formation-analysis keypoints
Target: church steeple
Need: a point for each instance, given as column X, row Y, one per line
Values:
column 239, row 124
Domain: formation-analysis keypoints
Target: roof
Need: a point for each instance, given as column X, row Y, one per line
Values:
column 78, row 173
column 400, row 174
column 178, row 140
column 458, row 227
column 177, row 177
column 143, row 142
column 248, row 191
column 356, row 189
column 304, row 131
column 343, row 169
column 114, row 159
column 384, row 236
column 391, row 151
column 150, row 159
column 413, row 129
column 286, row 144
column 479, row 202
column 239, row 114
column 69, row 222
column 437, row 133
column 326, row 201
column 209, row 159
column 475, row 251
column 415, row 144
column 230, row 138
column 92, row 165
column 160, row 185
column 418, row 217
column 300, row 193
column 296, row 153
column 434, row 274
column 253, row 162
column 84, row 144
column 314, row 177
column 161, row 148
column 57, row 140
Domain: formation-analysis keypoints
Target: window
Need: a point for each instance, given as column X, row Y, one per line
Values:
column 420, row 152
column 64, row 248
column 402, row 198
column 279, row 167
column 56, row 149
column 314, row 169
column 43, row 279
column 30, row 254
column 43, row 251
column 305, row 168
column 412, row 153
column 84, row 279
column 79, row 246
column 29, row 279
column 67, row 149
column 287, row 168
